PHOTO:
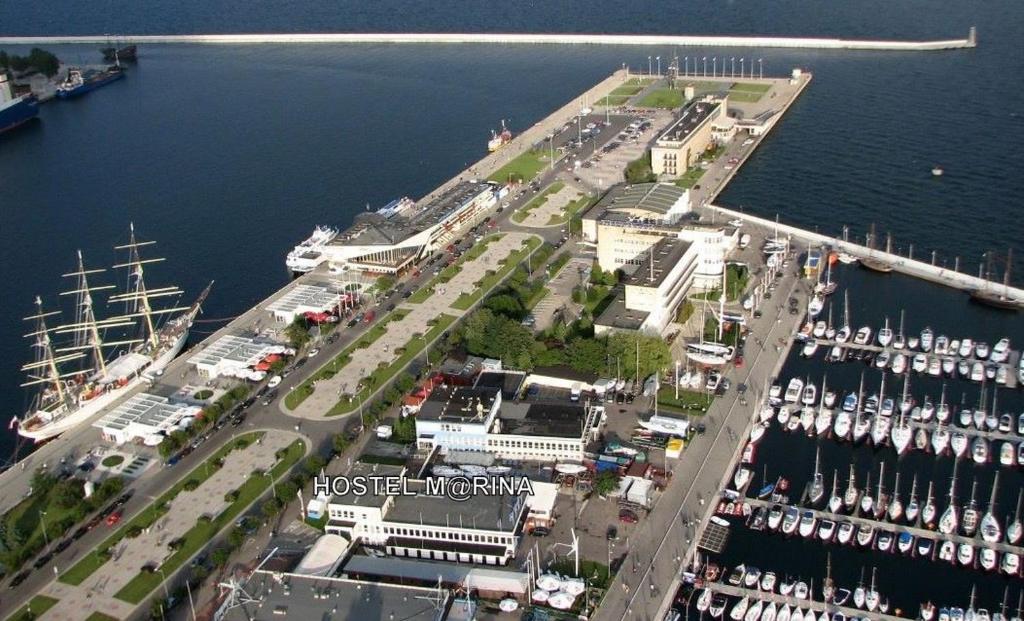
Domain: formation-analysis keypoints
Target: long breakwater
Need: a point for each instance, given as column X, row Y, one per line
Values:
column 511, row 38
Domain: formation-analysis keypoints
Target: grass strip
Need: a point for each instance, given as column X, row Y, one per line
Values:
column 34, row 608
column 570, row 210
column 523, row 168
column 423, row 293
column 537, row 201
column 492, row 278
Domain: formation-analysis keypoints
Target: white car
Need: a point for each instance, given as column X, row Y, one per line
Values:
column 274, row 381
column 313, row 352
column 748, row 142
column 737, row 222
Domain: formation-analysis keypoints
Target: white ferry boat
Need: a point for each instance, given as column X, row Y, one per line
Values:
column 308, row 255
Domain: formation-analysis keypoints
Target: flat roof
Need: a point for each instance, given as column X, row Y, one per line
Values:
column 481, row 578
column 658, row 262
column 458, row 403
column 147, row 410
column 315, row 597
column 616, row 315
column 319, row 296
column 533, row 418
column 240, row 350
column 360, row 469
column 654, row 197
column 448, row 202
column 478, row 511
column 509, row 382
column 691, row 118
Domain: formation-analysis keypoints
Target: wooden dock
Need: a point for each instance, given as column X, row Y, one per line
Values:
column 1011, row 364
column 818, row 606
column 896, row 529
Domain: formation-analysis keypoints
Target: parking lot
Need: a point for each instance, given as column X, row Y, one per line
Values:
column 558, row 301
column 603, row 168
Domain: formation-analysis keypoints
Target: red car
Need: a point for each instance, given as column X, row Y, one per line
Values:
column 114, row 518
column 739, row 360
column 628, row 517
column 368, row 317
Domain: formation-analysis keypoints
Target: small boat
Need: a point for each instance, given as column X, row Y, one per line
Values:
column 925, row 546
column 827, row 530
column 768, row 581
column 865, row 535
column 1010, row 564
column 794, row 390
column 937, row 171
column 862, row 336
column 807, row 524
column 927, row 339
column 739, row 609
column 965, row 554
column 775, row 517
column 754, row 611
column 844, row 534
column 905, row 542
column 884, row 541
column 718, row 604
column 947, row 551
column 988, row 559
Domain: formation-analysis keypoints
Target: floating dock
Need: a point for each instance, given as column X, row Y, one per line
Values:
column 817, row 606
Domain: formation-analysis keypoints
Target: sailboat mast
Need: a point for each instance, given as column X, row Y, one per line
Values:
column 87, row 333
column 45, row 358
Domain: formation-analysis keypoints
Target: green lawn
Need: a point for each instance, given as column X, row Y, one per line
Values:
column 306, row 388
column 423, row 293
column 690, row 402
column 627, row 90
column 613, row 101
column 662, row 98
column 99, row 616
column 381, row 376
column 537, row 201
column 557, row 265
column 702, row 87
column 523, row 168
column 745, row 96
column 205, row 531
column 466, row 300
column 639, row 81
column 752, row 87
column 570, row 210
column 690, row 178
column 99, row 555
column 34, row 609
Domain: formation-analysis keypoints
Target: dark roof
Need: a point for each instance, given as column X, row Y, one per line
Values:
column 616, row 315
column 692, row 117
column 566, row 372
column 510, row 382
column 458, row 403
column 658, row 262
column 559, row 420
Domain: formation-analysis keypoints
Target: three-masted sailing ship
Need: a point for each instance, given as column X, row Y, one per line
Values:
column 77, row 370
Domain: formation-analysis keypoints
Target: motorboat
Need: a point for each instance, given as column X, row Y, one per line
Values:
column 836, row 354
column 752, row 577
column 735, row 577
column 1010, row 564
column 790, row 520
column 991, row 421
column 899, row 363
column 948, row 365
column 947, row 551
column 794, row 390
column 757, row 432
column 1005, row 423
column 844, row 533
column 768, row 581
column 958, row 442
column 927, row 611
column 981, row 350
column 963, row 368
column 786, row 588
column 819, row 329
column 988, row 559
column 843, row 423
column 802, row 591
column 862, row 336
column 925, row 546
column 882, row 360
column 885, row 541
column 739, row 609
column 966, row 348
column 942, row 344
column 742, row 477
column 815, row 305
column 1020, row 423
column 807, row 524
column 927, row 339
column 927, row 410
column 810, row 394
column 1000, row 351
column 919, row 363
column 977, row 372
column 940, row 439
column 843, row 334
column 921, row 439
column 823, row 421
column 965, row 554
column 774, row 392
column 809, row 349
column 865, row 535
column 979, row 450
column 783, row 415
column 1007, row 454
column 905, row 542
column 861, row 426
column 775, row 517
column 934, row 366
column 807, row 416
column 827, row 530
column 704, row 599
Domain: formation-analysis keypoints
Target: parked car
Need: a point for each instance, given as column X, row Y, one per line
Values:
column 269, row 397
column 274, row 381
column 114, row 517
column 628, row 517
column 19, row 578
column 312, row 353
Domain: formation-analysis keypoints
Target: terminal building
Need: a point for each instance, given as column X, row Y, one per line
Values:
column 685, row 140
column 145, row 418
column 389, row 240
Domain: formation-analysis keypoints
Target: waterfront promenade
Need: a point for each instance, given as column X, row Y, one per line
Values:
column 514, row 38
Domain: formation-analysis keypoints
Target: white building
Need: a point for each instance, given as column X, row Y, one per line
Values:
column 233, row 356
column 145, row 418
column 685, row 140
column 308, row 298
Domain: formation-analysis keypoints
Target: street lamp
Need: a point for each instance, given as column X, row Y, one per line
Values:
column 714, row 66
column 650, row 71
column 741, row 67
column 760, row 68
column 46, row 538
column 705, row 59
column 426, row 356
column 658, row 58
column 677, row 380
column 686, row 65
column 732, row 67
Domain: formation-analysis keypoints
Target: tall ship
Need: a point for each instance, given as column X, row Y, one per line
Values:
column 15, row 111
column 83, row 366
column 79, row 82
column 498, row 140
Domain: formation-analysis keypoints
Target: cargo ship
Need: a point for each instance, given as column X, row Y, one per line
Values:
column 81, row 367
column 80, row 82
column 498, row 140
column 15, row 111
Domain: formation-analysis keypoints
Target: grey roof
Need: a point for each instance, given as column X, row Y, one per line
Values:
column 312, row 597
column 692, row 117
column 369, row 499
column 616, row 315
column 658, row 262
column 427, row 573
column 478, row 511
column 654, row 197
column 458, row 403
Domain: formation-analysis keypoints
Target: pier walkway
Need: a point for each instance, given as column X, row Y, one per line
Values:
column 816, row 606
column 512, row 38
column 896, row 529
column 1011, row 364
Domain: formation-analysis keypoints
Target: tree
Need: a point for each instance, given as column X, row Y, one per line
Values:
column 639, row 170
column 606, row 482
column 507, row 305
column 404, row 429
column 297, row 333
column 42, row 482
column 653, row 353
column 587, row 355
column 68, row 493
column 219, row 557
column 339, row 443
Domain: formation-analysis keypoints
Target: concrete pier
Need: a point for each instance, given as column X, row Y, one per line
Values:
column 513, row 39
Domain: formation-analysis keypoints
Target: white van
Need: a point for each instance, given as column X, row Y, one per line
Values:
column 575, row 392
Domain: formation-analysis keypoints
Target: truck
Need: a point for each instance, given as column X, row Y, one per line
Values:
column 641, row 492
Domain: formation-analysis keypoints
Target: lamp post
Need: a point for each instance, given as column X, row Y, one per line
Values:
column 166, row 596
column 741, row 67
column 46, row 537
column 760, row 68
column 272, row 486
column 658, row 58
column 677, row 380
column 732, row 66
column 650, row 70
column 714, row 66
column 426, row 355
column 705, row 59
column 686, row 65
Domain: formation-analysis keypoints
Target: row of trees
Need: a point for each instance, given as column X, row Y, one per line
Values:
column 39, row 60
column 207, row 418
